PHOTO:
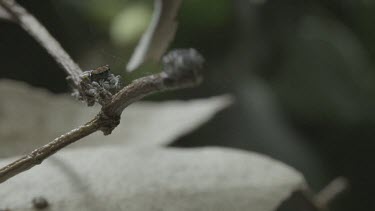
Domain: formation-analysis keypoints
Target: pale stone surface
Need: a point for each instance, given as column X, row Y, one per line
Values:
column 31, row 117
column 151, row 178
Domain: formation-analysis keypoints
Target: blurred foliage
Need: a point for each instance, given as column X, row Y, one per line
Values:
column 302, row 72
column 130, row 24
column 219, row 13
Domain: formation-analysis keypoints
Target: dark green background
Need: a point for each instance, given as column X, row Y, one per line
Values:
column 302, row 73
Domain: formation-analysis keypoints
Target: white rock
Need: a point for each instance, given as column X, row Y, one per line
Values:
column 129, row 170
column 141, row 178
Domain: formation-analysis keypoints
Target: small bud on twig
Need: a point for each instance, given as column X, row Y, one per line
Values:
column 183, row 66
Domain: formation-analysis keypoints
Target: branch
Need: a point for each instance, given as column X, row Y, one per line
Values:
column 5, row 15
column 305, row 199
column 37, row 156
column 181, row 70
column 32, row 26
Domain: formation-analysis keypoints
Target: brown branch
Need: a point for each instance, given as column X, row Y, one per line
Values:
column 180, row 71
column 38, row 155
column 32, row 26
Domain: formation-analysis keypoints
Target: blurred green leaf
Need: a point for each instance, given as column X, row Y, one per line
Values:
column 129, row 24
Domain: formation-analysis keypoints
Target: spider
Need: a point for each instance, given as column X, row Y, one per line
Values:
column 99, row 73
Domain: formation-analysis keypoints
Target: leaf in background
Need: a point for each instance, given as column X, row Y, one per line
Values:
column 130, row 23
column 158, row 35
column 31, row 117
column 138, row 178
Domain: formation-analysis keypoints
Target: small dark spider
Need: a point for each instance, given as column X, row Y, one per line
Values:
column 99, row 73
column 98, row 84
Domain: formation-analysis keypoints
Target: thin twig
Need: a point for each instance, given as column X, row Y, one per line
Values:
column 38, row 155
column 5, row 15
column 185, row 64
column 330, row 192
column 32, row 26
column 305, row 199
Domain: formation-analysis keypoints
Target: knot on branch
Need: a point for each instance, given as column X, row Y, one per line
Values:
column 108, row 123
column 97, row 85
column 35, row 156
column 182, row 67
